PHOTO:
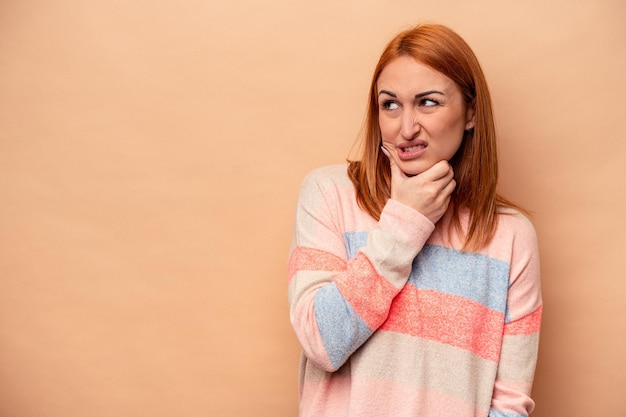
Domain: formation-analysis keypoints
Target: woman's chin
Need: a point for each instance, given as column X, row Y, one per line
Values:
column 412, row 169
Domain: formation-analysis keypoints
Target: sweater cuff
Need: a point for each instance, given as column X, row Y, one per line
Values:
column 400, row 235
column 408, row 224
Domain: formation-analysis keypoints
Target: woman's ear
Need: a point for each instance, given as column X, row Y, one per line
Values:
column 470, row 116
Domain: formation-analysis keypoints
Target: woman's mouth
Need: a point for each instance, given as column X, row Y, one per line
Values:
column 406, row 153
column 413, row 148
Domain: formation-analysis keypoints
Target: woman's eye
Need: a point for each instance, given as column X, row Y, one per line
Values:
column 390, row 105
column 429, row 102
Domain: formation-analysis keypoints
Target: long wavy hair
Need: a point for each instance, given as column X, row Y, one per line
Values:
column 475, row 163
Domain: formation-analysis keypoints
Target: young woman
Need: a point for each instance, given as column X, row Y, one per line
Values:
column 414, row 287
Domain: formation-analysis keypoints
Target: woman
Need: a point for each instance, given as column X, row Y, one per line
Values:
column 413, row 286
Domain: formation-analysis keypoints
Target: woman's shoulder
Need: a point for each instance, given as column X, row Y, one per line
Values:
column 513, row 214
column 512, row 220
column 329, row 175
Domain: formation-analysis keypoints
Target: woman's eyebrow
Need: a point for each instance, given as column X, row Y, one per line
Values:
column 420, row 95
column 425, row 93
column 389, row 93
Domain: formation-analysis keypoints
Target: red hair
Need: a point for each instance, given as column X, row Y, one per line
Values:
column 475, row 164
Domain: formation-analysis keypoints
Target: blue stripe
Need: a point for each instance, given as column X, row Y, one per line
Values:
column 342, row 330
column 496, row 413
column 470, row 275
column 354, row 241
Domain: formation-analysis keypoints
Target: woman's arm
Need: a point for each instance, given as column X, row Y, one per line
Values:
column 337, row 303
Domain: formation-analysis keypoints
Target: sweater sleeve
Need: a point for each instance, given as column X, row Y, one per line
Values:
column 337, row 303
column 518, row 357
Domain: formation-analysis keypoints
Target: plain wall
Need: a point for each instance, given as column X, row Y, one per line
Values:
column 150, row 157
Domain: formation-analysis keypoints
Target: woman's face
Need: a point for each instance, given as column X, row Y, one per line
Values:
column 422, row 114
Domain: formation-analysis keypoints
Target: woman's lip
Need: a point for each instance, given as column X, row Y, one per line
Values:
column 410, row 151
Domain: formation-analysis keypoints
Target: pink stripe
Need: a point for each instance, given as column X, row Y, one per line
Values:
column 369, row 293
column 325, row 397
column 526, row 325
column 375, row 397
column 448, row 319
column 513, row 397
column 310, row 259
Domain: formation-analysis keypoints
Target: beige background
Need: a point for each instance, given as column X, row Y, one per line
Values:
column 150, row 155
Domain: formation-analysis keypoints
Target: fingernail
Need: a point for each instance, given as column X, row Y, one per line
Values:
column 385, row 151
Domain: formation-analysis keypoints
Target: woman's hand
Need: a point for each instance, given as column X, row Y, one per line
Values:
column 428, row 192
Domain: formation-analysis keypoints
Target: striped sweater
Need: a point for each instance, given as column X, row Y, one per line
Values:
column 395, row 320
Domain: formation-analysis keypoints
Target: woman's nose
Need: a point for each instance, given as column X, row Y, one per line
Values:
column 410, row 125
